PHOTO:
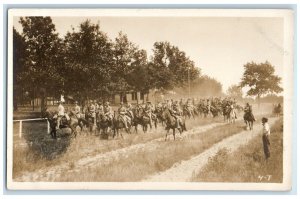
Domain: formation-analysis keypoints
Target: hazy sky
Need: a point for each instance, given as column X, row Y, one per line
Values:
column 219, row 46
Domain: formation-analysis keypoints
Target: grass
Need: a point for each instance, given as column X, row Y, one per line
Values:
column 36, row 150
column 247, row 164
column 148, row 162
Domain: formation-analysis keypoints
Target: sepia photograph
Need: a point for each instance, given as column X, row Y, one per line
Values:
column 150, row 99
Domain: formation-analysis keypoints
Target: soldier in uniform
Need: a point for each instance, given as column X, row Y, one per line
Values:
column 248, row 109
column 108, row 111
column 122, row 112
column 77, row 110
column 61, row 113
column 176, row 112
column 129, row 109
column 148, row 111
column 92, row 111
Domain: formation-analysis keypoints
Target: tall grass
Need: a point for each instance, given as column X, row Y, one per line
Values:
column 247, row 164
column 41, row 151
column 148, row 162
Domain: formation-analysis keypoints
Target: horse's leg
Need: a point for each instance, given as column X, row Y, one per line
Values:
column 135, row 127
column 167, row 134
column 174, row 133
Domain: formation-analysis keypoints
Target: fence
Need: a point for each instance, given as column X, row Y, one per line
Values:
column 35, row 119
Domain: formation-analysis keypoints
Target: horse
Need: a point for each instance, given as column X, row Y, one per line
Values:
column 158, row 113
column 72, row 123
column 188, row 112
column 229, row 114
column 214, row 111
column 249, row 120
column 140, row 118
column 171, row 123
column 277, row 110
column 90, row 119
column 118, row 124
column 103, row 123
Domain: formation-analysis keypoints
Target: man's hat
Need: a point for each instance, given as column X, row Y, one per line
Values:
column 76, row 102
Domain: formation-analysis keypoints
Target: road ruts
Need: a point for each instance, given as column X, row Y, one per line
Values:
column 54, row 173
column 184, row 171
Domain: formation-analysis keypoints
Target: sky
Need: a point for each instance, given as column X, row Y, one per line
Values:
column 219, row 46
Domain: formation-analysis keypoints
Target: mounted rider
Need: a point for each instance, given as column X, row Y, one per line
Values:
column 92, row 111
column 148, row 111
column 248, row 109
column 176, row 112
column 107, row 110
column 123, row 114
column 190, row 106
column 129, row 109
column 61, row 113
column 77, row 110
column 232, row 106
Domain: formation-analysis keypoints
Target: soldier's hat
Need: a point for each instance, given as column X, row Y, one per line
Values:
column 264, row 119
column 76, row 102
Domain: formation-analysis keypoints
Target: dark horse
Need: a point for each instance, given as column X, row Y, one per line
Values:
column 141, row 118
column 187, row 112
column 171, row 123
column 248, row 118
column 104, row 123
column 72, row 123
column 118, row 124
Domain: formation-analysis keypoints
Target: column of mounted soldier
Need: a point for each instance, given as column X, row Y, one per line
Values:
column 170, row 113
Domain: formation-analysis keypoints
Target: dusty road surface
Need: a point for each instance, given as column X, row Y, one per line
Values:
column 185, row 170
column 54, row 173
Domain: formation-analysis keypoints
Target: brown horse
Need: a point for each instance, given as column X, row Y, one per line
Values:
column 171, row 123
column 104, row 123
column 141, row 118
column 118, row 124
column 72, row 123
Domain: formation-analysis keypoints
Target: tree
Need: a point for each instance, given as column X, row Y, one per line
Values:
column 89, row 62
column 169, row 67
column 260, row 79
column 235, row 91
column 43, row 60
column 19, row 56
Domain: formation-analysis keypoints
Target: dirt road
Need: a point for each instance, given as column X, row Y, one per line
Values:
column 54, row 173
column 185, row 170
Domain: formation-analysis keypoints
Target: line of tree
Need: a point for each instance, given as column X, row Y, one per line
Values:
column 87, row 64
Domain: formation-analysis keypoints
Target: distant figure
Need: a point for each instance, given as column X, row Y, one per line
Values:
column 77, row 110
column 61, row 113
column 248, row 110
column 265, row 137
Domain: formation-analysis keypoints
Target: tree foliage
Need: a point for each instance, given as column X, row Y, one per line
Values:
column 260, row 79
column 43, row 60
column 89, row 61
column 235, row 91
column 169, row 67
column 87, row 64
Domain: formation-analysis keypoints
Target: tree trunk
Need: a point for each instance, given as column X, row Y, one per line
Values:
column 43, row 99
column 15, row 100
column 33, row 98
column 258, row 100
